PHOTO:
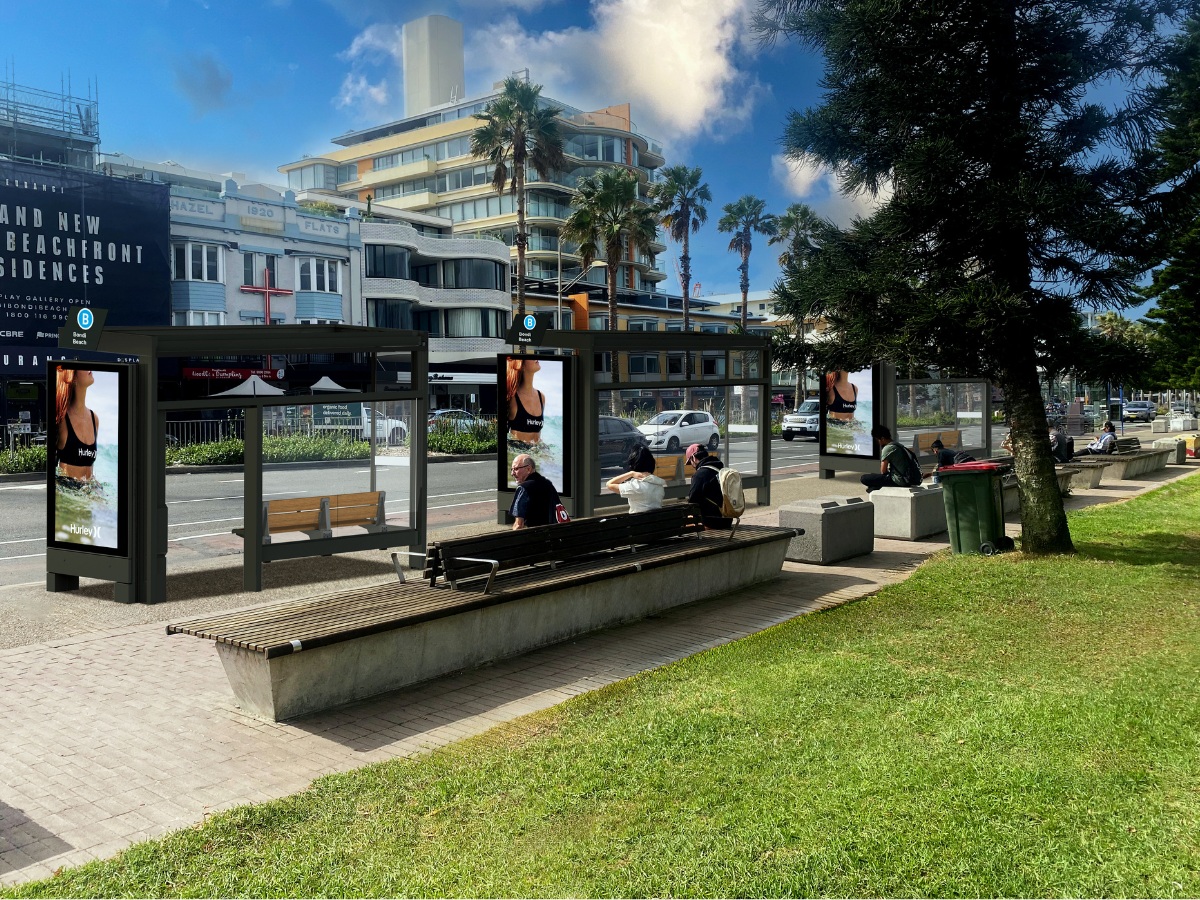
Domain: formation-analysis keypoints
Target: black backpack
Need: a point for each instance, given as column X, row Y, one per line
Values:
column 907, row 473
column 963, row 456
column 1065, row 451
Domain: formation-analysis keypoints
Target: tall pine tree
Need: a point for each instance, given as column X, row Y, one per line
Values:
column 1007, row 143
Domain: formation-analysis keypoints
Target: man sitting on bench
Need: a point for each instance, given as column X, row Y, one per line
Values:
column 536, row 500
column 705, row 491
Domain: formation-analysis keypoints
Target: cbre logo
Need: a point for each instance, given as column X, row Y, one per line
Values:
column 85, row 319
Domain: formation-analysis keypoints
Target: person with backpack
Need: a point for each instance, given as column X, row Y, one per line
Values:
column 536, row 500
column 1062, row 446
column 898, row 466
column 705, row 491
column 947, row 457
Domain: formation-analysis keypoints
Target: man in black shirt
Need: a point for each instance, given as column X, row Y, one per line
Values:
column 705, row 491
column 536, row 497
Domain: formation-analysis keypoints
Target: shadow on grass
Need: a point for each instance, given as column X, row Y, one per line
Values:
column 1147, row 550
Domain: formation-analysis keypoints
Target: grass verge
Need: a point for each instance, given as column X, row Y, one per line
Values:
column 989, row 727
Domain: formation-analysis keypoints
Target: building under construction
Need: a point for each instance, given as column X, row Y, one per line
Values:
column 52, row 128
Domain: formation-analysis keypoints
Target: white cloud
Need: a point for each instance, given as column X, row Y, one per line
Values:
column 674, row 61
column 819, row 187
column 522, row 5
column 380, row 43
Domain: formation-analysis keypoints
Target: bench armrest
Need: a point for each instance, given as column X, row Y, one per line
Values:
column 396, row 562
column 494, row 563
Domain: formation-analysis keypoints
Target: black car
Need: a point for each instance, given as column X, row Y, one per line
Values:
column 618, row 437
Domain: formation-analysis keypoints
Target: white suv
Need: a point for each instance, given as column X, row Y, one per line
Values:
column 805, row 421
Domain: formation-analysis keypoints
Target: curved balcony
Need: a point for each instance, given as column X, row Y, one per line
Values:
column 406, row 289
column 437, row 246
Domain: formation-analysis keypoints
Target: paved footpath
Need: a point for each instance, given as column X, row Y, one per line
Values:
column 114, row 736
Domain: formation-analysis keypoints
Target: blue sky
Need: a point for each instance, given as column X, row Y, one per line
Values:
column 247, row 85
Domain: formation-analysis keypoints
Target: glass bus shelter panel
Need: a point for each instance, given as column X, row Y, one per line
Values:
column 740, row 437
column 393, row 371
column 390, row 426
column 225, row 379
column 923, row 408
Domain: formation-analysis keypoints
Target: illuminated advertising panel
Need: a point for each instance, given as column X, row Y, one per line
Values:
column 534, row 417
column 88, row 469
column 849, row 412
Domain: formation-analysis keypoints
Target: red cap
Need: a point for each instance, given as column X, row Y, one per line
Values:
column 692, row 451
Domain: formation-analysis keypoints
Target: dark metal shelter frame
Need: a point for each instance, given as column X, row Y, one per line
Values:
column 142, row 576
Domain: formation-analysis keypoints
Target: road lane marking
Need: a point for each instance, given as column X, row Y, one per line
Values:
column 192, row 537
column 23, row 540
column 242, row 497
column 27, row 556
column 32, row 486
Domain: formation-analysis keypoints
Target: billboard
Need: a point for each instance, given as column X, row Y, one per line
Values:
column 849, row 412
column 87, row 467
column 534, row 417
column 74, row 238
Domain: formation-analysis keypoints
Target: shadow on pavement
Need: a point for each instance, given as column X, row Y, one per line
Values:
column 23, row 841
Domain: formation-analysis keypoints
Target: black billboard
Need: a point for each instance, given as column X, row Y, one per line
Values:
column 74, row 238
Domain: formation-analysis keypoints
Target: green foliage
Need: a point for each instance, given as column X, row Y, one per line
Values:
column 680, row 201
column 276, row 449
column 24, row 459
column 445, row 438
column 742, row 218
column 1013, row 726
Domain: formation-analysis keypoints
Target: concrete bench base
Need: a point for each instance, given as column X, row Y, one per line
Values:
column 1134, row 465
column 1177, row 448
column 1087, row 473
column 298, row 684
column 909, row 513
column 835, row 528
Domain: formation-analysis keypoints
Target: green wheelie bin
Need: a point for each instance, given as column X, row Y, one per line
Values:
column 973, row 494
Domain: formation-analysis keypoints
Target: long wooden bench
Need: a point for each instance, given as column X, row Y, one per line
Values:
column 317, row 516
column 673, row 470
column 296, row 657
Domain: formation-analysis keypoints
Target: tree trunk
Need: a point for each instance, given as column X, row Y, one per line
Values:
column 1043, row 519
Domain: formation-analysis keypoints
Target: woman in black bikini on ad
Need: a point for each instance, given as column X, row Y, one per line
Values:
column 82, row 511
column 849, row 405
column 534, row 413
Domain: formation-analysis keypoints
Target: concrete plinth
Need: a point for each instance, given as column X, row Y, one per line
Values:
column 1177, row 447
column 909, row 513
column 1182, row 423
column 297, row 684
column 835, row 528
column 1160, row 425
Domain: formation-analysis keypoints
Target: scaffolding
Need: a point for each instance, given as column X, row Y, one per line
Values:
column 49, row 127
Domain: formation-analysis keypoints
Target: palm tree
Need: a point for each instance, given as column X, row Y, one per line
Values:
column 743, row 218
column 797, row 223
column 607, row 214
column 679, row 204
column 518, row 130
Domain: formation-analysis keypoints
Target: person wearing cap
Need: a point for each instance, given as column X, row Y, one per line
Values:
column 640, row 486
column 705, row 491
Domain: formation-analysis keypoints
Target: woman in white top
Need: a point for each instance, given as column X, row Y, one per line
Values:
column 640, row 486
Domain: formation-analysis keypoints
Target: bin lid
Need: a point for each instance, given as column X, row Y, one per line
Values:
column 975, row 468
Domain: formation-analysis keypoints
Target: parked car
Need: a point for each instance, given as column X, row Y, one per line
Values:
column 617, row 438
column 453, row 419
column 382, row 429
column 1139, row 411
column 1182, row 408
column 805, row 421
column 674, row 430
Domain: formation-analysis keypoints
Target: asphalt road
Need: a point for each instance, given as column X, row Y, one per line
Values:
column 203, row 508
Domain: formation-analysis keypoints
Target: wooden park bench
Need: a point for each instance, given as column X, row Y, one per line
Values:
column 317, row 516
column 923, row 442
column 480, row 599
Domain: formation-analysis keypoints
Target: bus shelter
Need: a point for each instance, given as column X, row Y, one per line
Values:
column 260, row 383
column 666, row 391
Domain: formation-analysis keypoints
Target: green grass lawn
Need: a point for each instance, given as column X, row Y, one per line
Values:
column 1003, row 726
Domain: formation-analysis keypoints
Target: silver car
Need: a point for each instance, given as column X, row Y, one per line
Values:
column 1139, row 411
column 805, row 421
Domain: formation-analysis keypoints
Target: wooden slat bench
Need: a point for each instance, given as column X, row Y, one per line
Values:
column 317, row 516
column 923, row 442
column 296, row 657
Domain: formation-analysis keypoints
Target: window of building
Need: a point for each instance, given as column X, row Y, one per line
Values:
column 475, row 323
column 463, row 178
column 318, row 321
column 474, row 273
column 317, row 176
column 602, row 362
column 715, row 329
column 253, row 265
column 198, row 317
column 675, row 325
column 597, row 323
column 643, row 325
column 428, row 320
column 712, row 366
column 675, row 364
column 317, row 274
column 643, row 364
column 384, row 261
column 196, row 262
column 389, row 312
column 347, row 173
column 426, row 275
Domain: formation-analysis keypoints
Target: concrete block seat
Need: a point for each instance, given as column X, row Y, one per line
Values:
column 909, row 513
column 834, row 528
column 1131, row 460
column 296, row 657
column 1088, row 471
